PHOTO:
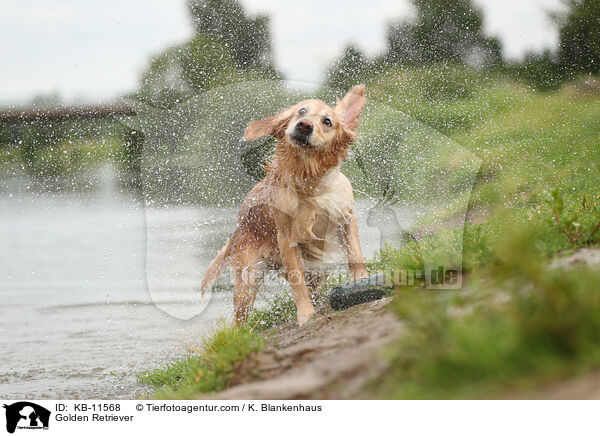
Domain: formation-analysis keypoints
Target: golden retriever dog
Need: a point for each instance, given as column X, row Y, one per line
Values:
column 302, row 210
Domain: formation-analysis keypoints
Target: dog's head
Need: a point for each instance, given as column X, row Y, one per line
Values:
column 312, row 126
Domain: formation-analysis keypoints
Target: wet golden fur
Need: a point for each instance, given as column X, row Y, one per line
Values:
column 302, row 210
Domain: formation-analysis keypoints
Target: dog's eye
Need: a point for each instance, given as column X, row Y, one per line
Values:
column 302, row 111
column 327, row 122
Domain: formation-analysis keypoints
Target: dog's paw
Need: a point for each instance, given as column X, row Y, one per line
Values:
column 304, row 317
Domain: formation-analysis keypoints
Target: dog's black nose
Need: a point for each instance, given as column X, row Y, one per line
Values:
column 304, row 127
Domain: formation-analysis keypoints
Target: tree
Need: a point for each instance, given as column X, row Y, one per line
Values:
column 228, row 46
column 348, row 70
column 539, row 71
column 442, row 31
column 579, row 37
column 184, row 70
column 248, row 38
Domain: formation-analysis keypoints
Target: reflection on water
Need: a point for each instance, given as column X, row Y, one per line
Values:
column 77, row 319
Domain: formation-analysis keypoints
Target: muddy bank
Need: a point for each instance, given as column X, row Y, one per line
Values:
column 331, row 357
column 334, row 356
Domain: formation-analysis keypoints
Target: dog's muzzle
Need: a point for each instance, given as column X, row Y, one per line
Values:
column 302, row 132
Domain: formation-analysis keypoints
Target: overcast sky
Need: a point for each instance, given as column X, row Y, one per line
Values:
column 95, row 49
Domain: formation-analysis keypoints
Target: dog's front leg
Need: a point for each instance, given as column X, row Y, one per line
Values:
column 356, row 261
column 290, row 257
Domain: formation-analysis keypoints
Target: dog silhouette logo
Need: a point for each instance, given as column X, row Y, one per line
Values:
column 26, row 415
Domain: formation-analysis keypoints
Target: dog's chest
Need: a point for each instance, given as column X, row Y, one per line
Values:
column 320, row 216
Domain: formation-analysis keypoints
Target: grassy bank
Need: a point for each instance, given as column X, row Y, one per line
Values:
column 208, row 368
column 517, row 323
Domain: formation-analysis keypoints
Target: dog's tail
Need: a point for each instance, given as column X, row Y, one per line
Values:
column 215, row 267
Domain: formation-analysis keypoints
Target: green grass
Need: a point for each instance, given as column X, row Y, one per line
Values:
column 281, row 309
column 447, row 98
column 518, row 324
column 69, row 157
column 562, row 223
column 207, row 369
column 475, row 344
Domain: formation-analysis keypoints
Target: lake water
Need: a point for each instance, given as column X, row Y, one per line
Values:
column 95, row 288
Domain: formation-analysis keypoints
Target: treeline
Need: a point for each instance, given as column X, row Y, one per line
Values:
column 228, row 46
column 452, row 32
column 441, row 50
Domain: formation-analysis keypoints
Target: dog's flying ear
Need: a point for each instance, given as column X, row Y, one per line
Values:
column 274, row 126
column 351, row 106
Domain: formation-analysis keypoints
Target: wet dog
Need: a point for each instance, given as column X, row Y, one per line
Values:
column 302, row 210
